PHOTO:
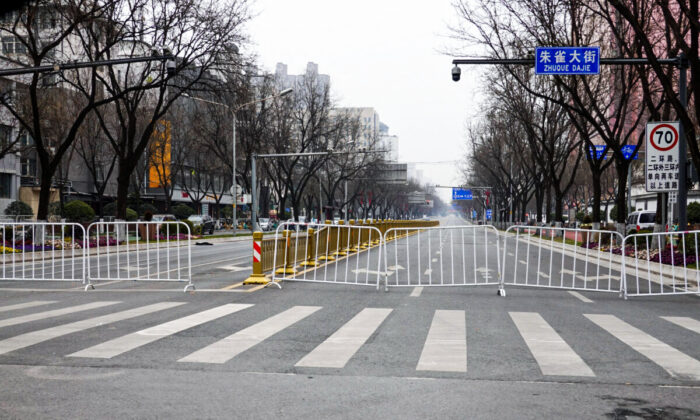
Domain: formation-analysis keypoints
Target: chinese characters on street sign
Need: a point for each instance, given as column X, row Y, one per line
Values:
column 599, row 152
column 461, row 194
column 662, row 156
column 488, row 214
column 567, row 60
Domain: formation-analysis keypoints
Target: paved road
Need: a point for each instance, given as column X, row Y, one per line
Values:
column 338, row 351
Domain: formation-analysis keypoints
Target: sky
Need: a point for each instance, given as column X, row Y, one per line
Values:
column 389, row 55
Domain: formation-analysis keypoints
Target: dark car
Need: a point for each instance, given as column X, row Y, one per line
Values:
column 204, row 220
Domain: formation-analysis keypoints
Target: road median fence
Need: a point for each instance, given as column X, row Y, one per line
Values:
column 61, row 251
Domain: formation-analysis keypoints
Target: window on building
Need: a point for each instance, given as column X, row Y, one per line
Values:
column 12, row 45
column 26, row 140
column 28, row 167
column 5, row 186
column 5, row 136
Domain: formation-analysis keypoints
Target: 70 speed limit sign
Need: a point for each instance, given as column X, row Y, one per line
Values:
column 662, row 156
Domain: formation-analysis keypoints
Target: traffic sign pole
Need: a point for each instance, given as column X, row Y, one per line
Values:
column 682, row 190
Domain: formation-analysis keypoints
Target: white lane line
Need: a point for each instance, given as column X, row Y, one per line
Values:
column 434, row 259
column 35, row 337
column 428, row 272
column 685, row 322
column 552, row 353
column 579, row 296
column 226, row 349
column 54, row 313
column 545, row 275
column 675, row 362
column 417, row 291
column 25, row 305
column 510, row 254
column 523, row 262
column 129, row 342
column 337, row 350
column 445, row 349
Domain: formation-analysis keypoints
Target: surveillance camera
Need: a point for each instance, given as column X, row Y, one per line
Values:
column 456, row 73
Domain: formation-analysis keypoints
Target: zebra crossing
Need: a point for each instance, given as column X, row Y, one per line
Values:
column 444, row 343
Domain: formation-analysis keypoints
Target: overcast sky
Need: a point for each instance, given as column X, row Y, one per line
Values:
column 384, row 54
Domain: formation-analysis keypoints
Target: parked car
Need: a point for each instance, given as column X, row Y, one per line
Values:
column 203, row 220
column 264, row 223
column 639, row 220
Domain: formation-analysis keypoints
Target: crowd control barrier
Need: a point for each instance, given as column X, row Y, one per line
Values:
column 140, row 251
column 563, row 258
column 42, row 251
column 663, row 263
column 442, row 256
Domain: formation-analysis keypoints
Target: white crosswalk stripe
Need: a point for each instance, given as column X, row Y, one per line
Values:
column 129, row 342
column 224, row 350
column 675, row 362
column 53, row 313
column 685, row 322
column 337, row 350
column 25, row 305
column 552, row 353
column 445, row 348
column 35, row 337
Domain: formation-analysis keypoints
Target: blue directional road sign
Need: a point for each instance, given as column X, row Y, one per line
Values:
column 599, row 151
column 461, row 194
column 567, row 60
column 473, row 214
column 627, row 152
column 488, row 214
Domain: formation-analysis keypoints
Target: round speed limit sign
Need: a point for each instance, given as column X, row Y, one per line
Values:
column 663, row 137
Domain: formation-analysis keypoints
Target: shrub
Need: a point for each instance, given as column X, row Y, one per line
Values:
column 188, row 223
column 197, row 230
column 173, row 228
column 131, row 215
column 580, row 215
column 182, row 211
column 79, row 212
column 19, row 208
column 110, row 209
column 693, row 213
column 587, row 219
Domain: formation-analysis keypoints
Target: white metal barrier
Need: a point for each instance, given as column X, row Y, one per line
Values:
column 42, row 251
column 326, row 253
column 662, row 263
column 563, row 258
column 442, row 256
column 141, row 251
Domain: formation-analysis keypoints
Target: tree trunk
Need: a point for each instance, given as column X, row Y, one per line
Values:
column 44, row 195
column 123, row 180
column 597, row 193
column 539, row 198
column 620, row 199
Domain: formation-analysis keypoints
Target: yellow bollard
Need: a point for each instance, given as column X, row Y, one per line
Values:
column 257, row 277
column 310, row 249
column 364, row 234
column 329, row 245
column 352, row 234
column 342, row 237
column 288, row 267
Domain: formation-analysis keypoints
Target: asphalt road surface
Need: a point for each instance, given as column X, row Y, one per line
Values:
column 325, row 350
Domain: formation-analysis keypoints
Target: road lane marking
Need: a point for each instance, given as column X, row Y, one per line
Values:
column 523, row 262
column 553, row 355
column 675, row 362
column 579, row 296
column 232, row 286
column 337, row 349
column 36, row 337
column 25, row 305
column 128, row 342
column 434, row 260
column 233, row 268
column 417, row 291
column 54, row 313
column 543, row 274
column 428, row 272
column 445, row 349
column 685, row 322
column 226, row 349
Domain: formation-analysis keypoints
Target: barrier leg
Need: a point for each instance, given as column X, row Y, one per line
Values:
column 288, row 267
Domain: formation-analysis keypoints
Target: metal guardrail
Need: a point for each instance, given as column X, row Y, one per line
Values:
column 42, row 251
column 140, row 251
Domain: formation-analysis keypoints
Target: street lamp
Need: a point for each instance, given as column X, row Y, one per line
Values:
column 234, row 185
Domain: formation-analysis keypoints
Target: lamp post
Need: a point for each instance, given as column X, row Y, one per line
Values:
column 234, row 185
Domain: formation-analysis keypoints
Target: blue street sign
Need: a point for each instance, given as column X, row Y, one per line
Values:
column 488, row 214
column 461, row 194
column 473, row 214
column 599, row 151
column 567, row 60
column 627, row 152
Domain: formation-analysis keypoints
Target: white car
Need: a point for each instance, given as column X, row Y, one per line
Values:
column 639, row 220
